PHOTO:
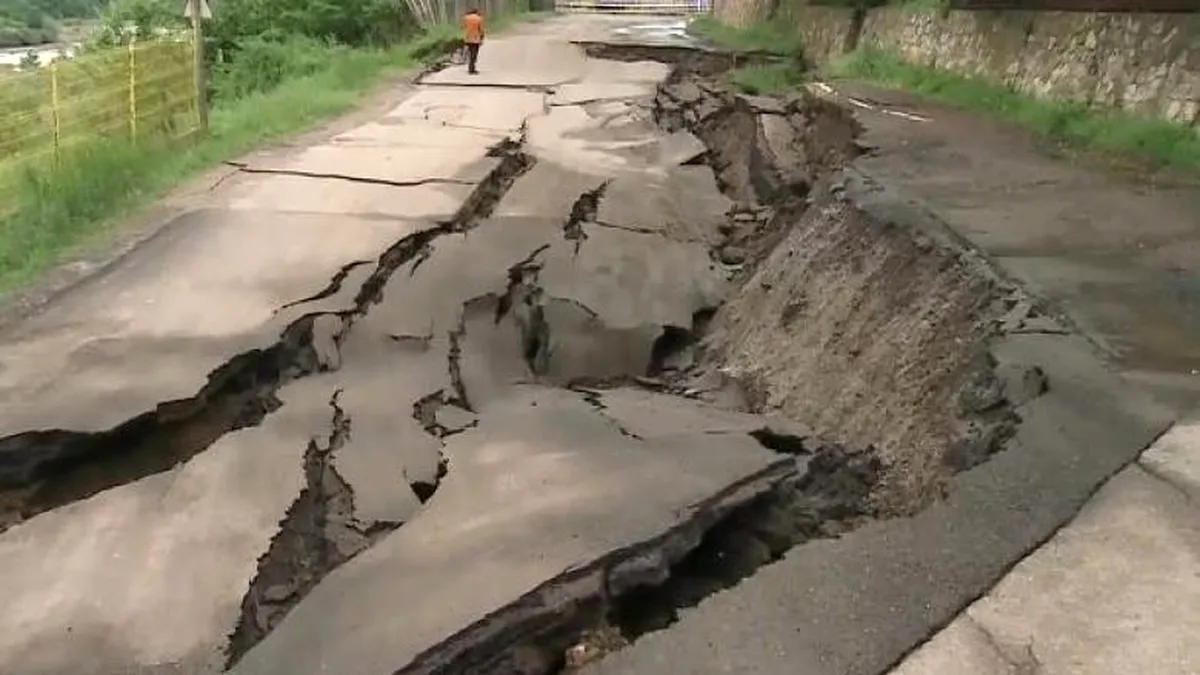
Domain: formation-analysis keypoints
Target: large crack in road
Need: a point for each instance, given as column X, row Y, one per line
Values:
column 782, row 167
column 43, row 470
column 586, row 613
column 583, row 615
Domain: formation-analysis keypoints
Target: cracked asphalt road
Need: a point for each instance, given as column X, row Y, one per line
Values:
column 513, row 375
column 394, row 380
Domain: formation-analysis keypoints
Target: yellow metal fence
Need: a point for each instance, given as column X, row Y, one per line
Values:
column 140, row 91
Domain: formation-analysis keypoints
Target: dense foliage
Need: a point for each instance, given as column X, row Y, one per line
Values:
column 32, row 22
column 254, row 45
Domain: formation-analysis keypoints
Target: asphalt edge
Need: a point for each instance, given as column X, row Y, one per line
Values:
column 992, row 517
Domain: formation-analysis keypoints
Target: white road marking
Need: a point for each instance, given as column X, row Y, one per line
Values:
column 907, row 116
column 824, row 88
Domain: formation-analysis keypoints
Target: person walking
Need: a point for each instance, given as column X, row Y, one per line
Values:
column 472, row 25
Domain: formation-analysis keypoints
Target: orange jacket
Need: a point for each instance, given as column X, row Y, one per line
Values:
column 472, row 25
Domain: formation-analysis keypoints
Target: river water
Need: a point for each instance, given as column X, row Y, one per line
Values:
column 12, row 57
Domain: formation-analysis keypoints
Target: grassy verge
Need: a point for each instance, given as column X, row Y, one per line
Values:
column 776, row 38
column 59, row 210
column 1076, row 125
column 772, row 37
column 769, row 78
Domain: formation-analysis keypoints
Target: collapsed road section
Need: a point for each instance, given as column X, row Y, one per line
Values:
column 609, row 347
column 666, row 338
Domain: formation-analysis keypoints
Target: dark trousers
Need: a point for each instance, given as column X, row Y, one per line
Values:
column 472, row 56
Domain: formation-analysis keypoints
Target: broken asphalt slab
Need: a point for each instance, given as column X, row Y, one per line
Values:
column 153, row 572
column 70, row 367
column 542, row 487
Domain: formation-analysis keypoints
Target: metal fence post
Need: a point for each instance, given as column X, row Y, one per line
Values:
column 133, row 90
column 54, row 112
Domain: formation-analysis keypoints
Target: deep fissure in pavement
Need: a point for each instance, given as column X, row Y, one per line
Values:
column 677, row 348
column 588, row 612
column 523, row 300
column 829, row 497
column 334, row 285
column 582, row 615
column 584, row 210
column 816, row 489
column 42, row 470
column 320, row 531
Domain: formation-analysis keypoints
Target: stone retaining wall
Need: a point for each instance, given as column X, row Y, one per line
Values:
column 1143, row 63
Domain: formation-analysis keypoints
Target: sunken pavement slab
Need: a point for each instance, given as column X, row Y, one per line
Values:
column 543, row 485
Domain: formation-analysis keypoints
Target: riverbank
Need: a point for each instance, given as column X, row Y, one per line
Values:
column 13, row 57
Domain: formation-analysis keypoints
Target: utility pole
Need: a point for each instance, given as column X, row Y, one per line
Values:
column 197, row 9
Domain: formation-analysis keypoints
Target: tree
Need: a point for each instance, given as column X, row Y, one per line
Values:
column 31, row 22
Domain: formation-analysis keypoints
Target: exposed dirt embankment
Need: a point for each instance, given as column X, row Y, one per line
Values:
column 858, row 314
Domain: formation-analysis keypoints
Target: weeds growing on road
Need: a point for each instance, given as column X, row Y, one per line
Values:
column 1071, row 123
column 55, row 210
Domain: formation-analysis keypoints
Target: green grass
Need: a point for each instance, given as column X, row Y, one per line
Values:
column 57, row 211
column 1072, row 124
column 772, row 37
column 770, row 78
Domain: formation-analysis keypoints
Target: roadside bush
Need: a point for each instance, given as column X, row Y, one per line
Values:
column 126, row 20
column 357, row 23
column 262, row 63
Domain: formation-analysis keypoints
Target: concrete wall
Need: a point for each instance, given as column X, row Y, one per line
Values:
column 1143, row 63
